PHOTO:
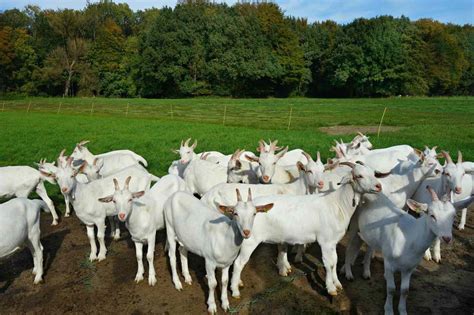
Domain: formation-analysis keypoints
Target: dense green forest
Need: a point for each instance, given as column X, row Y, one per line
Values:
column 200, row 48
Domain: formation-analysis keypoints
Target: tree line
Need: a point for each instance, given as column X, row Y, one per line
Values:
column 200, row 48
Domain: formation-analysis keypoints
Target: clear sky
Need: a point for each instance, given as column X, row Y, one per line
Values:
column 342, row 11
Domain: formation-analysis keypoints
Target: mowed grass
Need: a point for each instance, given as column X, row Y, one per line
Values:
column 153, row 127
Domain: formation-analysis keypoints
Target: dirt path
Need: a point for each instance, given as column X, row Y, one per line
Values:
column 72, row 284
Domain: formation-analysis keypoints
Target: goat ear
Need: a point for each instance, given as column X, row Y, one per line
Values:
column 264, row 208
column 251, row 158
column 46, row 174
column 138, row 194
column 175, row 151
column 238, row 164
column 381, row 175
column 300, row 166
column 416, row 206
column 226, row 209
column 106, row 199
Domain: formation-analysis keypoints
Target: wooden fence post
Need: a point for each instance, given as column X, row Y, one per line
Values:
column 225, row 113
column 381, row 120
column 59, row 107
column 92, row 108
column 171, row 111
column 126, row 114
column 289, row 118
column 29, row 105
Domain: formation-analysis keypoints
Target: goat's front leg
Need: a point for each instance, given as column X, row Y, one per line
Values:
column 404, row 288
column 139, row 254
column 437, row 250
column 390, row 288
column 150, row 257
column 283, row 265
column 330, row 265
column 91, row 236
column 67, row 201
column 462, row 223
column 225, row 281
column 41, row 191
column 101, row 237
column 212, row 283
column 367, row 261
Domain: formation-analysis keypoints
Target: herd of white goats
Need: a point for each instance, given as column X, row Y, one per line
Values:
column 280, row 197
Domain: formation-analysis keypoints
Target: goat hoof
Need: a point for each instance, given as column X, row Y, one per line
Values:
column 237, row 297
column 67, row 215
column 55, row 222
column 152, row 281
column 241, row 284
column 38, row 280
column 333, row 293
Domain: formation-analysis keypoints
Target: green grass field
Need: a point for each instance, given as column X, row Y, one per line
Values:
column 33, row 129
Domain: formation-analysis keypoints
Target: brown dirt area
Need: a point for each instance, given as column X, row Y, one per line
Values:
column 73, row 285
column 353, row 129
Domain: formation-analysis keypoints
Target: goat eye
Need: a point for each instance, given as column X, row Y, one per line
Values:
column 433, row 217
column 447, row 174
column 129, row 200
column 360, row 176
column 235, row 214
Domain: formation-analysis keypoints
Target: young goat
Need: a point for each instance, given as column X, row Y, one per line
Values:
column 305, row 219
column 209, row 234
column 20, row 181
column 144, row 216
column 87, row 206
column 20, row 224
column 401, row 238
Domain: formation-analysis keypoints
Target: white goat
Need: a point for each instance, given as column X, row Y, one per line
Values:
column 382, row 160
column 305, row 219
column 270, row 170
column 143, row 217
column 401, row 238
column 209, row 234
column 239, row 171
column 201, row 175
column 314, row 172
column 51, row 171
column 225, row 193
column 87, row 206
column 106, row 164
column 20, row 181
column 20, row 224
column 453, row 178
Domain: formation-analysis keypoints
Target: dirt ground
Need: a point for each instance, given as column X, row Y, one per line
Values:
column 74, row 285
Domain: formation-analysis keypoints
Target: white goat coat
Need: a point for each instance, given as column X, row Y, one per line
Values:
column 224, row 194
column 201, row 175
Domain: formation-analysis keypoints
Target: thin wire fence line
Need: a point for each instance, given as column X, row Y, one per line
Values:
column 233, row 115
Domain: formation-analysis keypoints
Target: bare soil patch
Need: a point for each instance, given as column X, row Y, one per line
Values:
column 353, row 129
column 73, row 285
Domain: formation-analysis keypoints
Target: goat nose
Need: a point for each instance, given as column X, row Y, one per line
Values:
column 266, row 179
column 121, row 216
column 246, row 233
column 447, row 239
column 457, row 190
column 378, row 187
column 64, row 189
column 321, row 184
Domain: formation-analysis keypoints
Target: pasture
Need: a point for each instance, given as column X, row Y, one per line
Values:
column 40, row 127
